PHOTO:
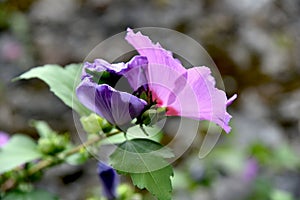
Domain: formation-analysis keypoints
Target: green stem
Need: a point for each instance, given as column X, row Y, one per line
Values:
column 11, row 183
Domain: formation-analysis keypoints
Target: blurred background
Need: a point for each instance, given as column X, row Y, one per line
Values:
column 255, row 45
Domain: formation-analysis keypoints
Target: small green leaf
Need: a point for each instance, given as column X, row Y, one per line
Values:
column 135, row 132
column 285, row 157
column 43, row 129
column 281, row 195
column 32, row 195
column 103, row 77
column 180, row 177
column 79, row 158
column 157, row 182
column 20, row 149
column 115, row 139
column 154, row 133
column 140, row 156
column 153, row 115
column 62, row 82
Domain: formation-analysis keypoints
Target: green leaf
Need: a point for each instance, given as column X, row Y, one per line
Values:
column 62, row 82
column 262, row 189
column 281, row 195
column 135, row 132
column 154, row 133
column 140, row 156
column 43, row 129
column 20, row 149
column 157, row 182
column 180, row 177
column 144, row 160
column 115, row 139
column 32, row 195
column 50, row 142
column 285, row 157
column 79, row 158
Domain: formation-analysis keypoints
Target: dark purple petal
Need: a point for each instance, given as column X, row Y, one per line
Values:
column 109, row 179
column 136, row 72
column 117, row 107
column 4, row 137
column 100, row 65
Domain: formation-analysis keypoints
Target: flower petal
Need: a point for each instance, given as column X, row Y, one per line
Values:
column 231, row 100
column 201, row 100
column 4, row 137
column 109, row 179
column 251, row 169
column 163, row 68
column 164, row 86
column 117, row 107
column 154, row 52
column 136, row 72
column 98, row 65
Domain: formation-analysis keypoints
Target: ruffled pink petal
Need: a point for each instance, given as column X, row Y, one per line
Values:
column 154, row 52
column 188, row 93
column 201, row 100
column 163, row 68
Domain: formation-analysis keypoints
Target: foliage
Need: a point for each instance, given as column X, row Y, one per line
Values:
column 19, row 150
column 139, row 153
column 34, row 194
column 62, row 82
column 144, row 160
column 138, row 148
column 157, row 182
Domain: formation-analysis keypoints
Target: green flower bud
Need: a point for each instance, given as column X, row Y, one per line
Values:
column 94, row 124
column 78, row 158
column 91, row 123
column 106, row 126
column 126, row 192
column 153, row 115
column 53, row 144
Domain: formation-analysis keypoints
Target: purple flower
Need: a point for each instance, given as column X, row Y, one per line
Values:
column 251, row 170
column 4, row 137
column 184, row 92
column 156, row 74
column 109, row 180
column 117, row 107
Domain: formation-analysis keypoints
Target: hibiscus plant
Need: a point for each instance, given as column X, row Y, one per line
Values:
column 160, row 88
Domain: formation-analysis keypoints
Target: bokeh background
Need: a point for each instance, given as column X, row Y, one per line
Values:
column 255, row 45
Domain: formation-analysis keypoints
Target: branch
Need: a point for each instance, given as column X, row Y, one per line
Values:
column 12, row 182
